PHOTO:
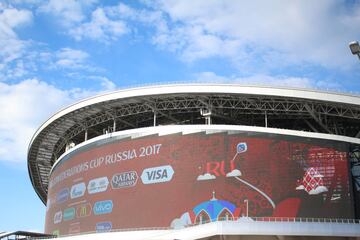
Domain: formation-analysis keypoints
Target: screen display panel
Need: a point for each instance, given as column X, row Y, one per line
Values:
column 178, row 180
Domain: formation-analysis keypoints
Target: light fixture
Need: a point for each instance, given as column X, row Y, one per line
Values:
column 355, row 48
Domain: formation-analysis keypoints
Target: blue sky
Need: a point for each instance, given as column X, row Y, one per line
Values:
column 53, row 53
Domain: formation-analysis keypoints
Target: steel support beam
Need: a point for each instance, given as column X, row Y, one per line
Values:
column 311, row 126
column 316, row 118
column 126, row 122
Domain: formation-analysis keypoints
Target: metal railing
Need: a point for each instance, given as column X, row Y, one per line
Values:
column 230, row 219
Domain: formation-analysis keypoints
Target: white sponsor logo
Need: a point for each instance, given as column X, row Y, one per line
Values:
column 124, row 179
column 157, row 174
column 58, row 217
column 98, row 185
column 77, row 190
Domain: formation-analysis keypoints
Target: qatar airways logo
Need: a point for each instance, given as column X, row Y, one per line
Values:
column 124, row 179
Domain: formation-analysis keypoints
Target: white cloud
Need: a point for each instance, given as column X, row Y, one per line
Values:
column 11, row 18
column 24, row 106
column 68, row 62
column 101, row 27
column 206, row 176
column 183, row 221
column 108, row 24
column 106, row 84
column 18, row 70
column 27, row 2
column 68, row 53
column 276, row 33
column 11, row 47
column 234, row 173
column 177, row 224
column 254, row 36
column 70, row 58
column 268, row 80
column 68, row 12
column 193, row 43
column 123, row 11
column 318, row 190
column 103, row 24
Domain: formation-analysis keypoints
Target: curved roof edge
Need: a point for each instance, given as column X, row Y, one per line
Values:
column 203, row 88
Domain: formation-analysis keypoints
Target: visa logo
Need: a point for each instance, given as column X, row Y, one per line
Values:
column 103, row 226
column 103, row 207
column 241, row 147
column 157, row 174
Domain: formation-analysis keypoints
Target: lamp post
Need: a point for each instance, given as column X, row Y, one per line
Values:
column 355, row 48
column 247, row 207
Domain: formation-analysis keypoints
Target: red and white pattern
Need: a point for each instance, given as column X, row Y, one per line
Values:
column 312, row 182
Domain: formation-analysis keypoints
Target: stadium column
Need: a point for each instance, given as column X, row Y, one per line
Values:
column 154, row 118
column 266, row 119
column 86, row 135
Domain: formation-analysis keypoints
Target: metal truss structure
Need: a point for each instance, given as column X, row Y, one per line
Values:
column 24, row 235
column 204, row 108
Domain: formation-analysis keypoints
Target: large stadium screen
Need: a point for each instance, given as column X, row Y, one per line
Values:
column 179, row 180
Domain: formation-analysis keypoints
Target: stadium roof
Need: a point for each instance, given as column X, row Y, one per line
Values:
column 23, row 235
column 282, row 108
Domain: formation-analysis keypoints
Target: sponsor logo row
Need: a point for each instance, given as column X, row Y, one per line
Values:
column 103, row 226
column 99, row 227
column 84, row 210
column 119, row 180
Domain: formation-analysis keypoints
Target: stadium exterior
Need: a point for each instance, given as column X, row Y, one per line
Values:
column 191, row 161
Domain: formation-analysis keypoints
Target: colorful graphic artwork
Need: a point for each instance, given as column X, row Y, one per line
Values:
column 179, row 180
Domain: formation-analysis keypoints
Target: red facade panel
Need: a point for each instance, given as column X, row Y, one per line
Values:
column 178, row 180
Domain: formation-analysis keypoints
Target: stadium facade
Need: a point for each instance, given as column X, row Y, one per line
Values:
column 192, row 161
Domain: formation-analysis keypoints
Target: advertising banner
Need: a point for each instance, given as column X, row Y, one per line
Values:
column 178, row 180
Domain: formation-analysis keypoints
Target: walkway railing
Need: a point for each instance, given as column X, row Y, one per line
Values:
column 229, row 219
